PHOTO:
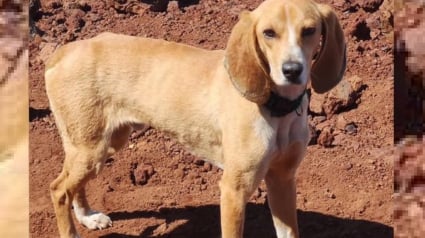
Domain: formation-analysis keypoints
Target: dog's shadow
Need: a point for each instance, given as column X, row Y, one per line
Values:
column 161, row 5
column 204, row 221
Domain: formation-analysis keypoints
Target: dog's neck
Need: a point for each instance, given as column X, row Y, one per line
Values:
column 280, row 106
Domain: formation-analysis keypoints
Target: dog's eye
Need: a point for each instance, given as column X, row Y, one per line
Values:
column 269, row 33
column 308, row 31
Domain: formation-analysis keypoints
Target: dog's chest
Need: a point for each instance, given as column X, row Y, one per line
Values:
column 277, row 133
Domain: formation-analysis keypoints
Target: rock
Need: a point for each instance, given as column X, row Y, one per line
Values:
column 325, row 138
column 344, row 96
column 348, row 166
column 370, row 5
column 319, row 119
column 193, row 175
column 143, row 173
column 203, row 187
column 351, row 128
column 356, row 83
column 173, row 6
column 330, row 194
column 207, row 167
column 338, row 139
column 341, row 122
column 55, row 4
column 321, row 126
column 75, row 21
column 316, row 103
column 340, row 98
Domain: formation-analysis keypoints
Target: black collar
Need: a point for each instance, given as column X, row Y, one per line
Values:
column 280, row 106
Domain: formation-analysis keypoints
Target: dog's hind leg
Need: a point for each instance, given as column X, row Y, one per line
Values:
column 85, row 215
column 81, row 163
column 119, row 138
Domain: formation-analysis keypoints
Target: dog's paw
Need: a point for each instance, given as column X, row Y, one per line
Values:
column 96, row 220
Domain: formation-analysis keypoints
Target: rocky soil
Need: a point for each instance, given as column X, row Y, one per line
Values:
column 409, row 184
column 154, row 188
column 409, row 157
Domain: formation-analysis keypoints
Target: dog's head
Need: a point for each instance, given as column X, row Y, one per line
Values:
column 273, row 46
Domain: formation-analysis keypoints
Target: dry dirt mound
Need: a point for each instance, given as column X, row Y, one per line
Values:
column 153, row 188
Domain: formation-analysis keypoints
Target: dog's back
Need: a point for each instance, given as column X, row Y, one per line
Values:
column 116, row 79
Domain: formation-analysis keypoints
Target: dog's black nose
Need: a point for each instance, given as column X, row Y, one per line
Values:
column 292, row 71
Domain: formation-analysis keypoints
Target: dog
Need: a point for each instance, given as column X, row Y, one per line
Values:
column 14, row 146
column 243, row 108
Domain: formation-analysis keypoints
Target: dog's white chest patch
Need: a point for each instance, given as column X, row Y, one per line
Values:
column 266, row 132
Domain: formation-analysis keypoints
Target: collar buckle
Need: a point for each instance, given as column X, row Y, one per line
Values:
column 281, row 106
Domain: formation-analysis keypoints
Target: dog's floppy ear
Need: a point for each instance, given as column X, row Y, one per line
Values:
column 245, row 62
column 328, row 69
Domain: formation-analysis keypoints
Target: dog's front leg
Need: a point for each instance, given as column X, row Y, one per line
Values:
column 236, row 187
column 281, row 191
column 281, row 194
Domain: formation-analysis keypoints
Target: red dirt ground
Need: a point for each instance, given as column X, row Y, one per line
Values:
column 345, row 183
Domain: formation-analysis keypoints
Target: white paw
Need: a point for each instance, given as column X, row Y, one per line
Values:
column 95, row 220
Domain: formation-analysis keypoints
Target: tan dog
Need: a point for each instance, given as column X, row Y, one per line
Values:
column 14, row 127
column 244, row 108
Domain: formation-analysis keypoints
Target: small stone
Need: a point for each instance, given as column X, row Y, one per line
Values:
column 198, row 181
column 348, row 166
column 338, row 139
column 371, row 161
column 179, row 173
column 325, row 138
column 143, row 173
column 339, row 98
column 329, row 194
column 341, row 122
column 351, row 128
column 316, row 103
column 207, row 167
